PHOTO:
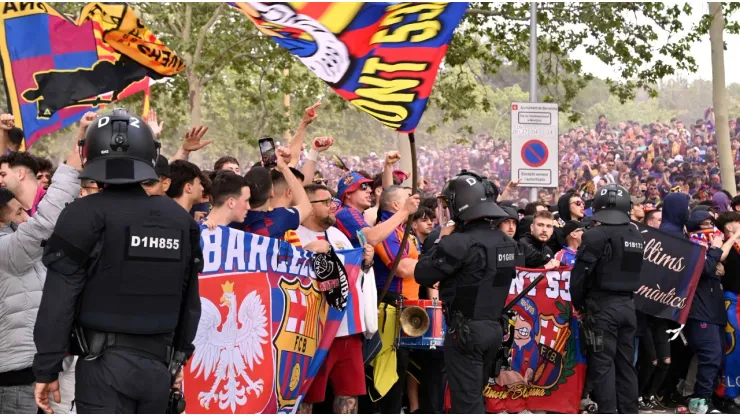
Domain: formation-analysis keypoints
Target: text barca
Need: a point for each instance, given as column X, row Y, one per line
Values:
column 240, row 251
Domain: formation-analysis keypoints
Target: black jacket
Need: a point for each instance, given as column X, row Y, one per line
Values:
column 528, row 240
column 708, row 304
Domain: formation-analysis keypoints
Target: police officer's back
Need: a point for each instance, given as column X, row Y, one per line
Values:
column 122, row 275
column 475, row 266
column 604, row 277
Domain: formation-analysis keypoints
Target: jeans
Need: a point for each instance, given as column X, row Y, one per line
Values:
column 17, row 399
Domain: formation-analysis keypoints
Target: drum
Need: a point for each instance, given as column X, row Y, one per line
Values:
column 413, row 320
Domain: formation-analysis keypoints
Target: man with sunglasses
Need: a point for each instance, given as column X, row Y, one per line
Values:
column 355, row 193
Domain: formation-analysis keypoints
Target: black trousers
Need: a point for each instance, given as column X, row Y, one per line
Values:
column 392, row 402
column 469, row 366
column 427, row 367
column 120, row 381
column 610, row 370
column 655, row 351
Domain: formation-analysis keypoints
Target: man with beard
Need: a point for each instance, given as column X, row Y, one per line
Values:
column 355, row 192
column 540, row 233
column 343, row 364
column 533, row 258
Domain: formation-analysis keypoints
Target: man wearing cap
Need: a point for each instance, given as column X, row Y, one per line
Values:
column 573, row 230
column 355, row 193
column 638, row 211
column 159, row 187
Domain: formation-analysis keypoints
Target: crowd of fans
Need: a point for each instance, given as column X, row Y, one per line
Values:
column 311, row 194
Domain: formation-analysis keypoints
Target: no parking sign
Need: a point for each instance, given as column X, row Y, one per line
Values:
column 534, row 144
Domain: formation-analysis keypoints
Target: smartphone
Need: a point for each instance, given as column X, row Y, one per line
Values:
column 267, row 150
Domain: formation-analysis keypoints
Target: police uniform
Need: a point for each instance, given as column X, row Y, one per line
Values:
column 474, row 267
column 605, row 275
column 122, row 276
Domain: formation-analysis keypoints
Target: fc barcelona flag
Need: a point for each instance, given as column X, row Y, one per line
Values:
column 381, row 57
column 264, row 330
column 56, row 69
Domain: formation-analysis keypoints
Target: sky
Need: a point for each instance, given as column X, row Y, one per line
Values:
column 701, row 51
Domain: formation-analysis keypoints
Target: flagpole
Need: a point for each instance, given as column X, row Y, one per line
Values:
column 409, row 223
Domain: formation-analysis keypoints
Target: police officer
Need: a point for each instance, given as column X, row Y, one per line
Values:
column 604, row 277
column 473, row 261
column 122, row 277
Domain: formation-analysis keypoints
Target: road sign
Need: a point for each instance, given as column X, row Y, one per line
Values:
column 534, row 144
column 534, row 153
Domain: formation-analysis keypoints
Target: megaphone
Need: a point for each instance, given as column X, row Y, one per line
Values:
column 414, row 321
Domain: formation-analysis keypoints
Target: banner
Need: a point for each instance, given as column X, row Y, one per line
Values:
column 264, row 330
column 547, row 369
column 670, row 272
column 381, row 57
column 56, row 69
column 729, row 386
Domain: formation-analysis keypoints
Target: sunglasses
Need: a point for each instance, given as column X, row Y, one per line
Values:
column 578, row 203
column 365, row 186
column 332, row 203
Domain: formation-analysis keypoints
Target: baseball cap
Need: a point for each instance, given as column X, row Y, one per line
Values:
column 637, row 200
column 527, row 309
column 350, row 183
column 571, row 226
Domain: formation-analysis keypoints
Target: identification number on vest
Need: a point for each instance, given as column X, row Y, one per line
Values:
column 633, row 246
column 154, row 243
column 505, row 257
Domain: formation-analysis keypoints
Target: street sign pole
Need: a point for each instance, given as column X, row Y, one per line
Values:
column 533, row 71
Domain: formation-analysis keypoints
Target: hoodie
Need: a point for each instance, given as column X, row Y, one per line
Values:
column 720, row 202
column 557, row 240
column 708, row 304
column 675, row 214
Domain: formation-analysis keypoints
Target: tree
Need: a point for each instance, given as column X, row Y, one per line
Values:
column 621, row 35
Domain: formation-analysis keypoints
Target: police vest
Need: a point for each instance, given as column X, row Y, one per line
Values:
column 137, row 281
column 619, row 268
column 481, row 294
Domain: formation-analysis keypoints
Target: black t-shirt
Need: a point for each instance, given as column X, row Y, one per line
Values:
column 731, row 279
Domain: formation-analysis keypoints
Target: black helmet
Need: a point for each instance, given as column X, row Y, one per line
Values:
column 470, row 196
column 120, row 149
column 612, row 205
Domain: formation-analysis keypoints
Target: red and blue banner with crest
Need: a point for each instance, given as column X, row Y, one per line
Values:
column 265, row 329
column 546, row 357
column 381, row 57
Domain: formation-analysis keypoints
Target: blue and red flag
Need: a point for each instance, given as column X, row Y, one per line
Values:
column 381, row 57
column 729, row 386
column 56, row 69
column 265, row 328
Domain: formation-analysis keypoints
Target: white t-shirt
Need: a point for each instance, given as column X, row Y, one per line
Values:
column 340, row 242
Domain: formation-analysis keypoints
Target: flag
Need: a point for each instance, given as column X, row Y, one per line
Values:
column 381, row 57
column 547, row 370
column 147, row 98
column 56, row 69
column 265, row 329
column 729, row 386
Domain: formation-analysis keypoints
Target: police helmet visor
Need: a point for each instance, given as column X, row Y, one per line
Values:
column 119, row 171
column 487, row 209
column 611, row 217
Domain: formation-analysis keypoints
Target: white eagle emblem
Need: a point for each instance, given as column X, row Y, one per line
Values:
column 229, row 351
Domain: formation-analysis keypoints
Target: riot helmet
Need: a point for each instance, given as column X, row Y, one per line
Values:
column 470, row 196
column 612, row 205
column 119, row 148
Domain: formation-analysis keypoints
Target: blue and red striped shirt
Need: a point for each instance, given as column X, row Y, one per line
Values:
column 385, row 254
column 274, row 223
column 349, row 222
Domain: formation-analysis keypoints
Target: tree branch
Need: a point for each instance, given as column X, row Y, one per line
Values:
column 225, row 62
column 204, row 31
column 486, row 12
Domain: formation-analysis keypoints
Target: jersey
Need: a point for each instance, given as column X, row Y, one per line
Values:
column 566, row 257
column 273, row 223
column 385, row 255
column 349, row 222
column 40, row 192
column 353, row 322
